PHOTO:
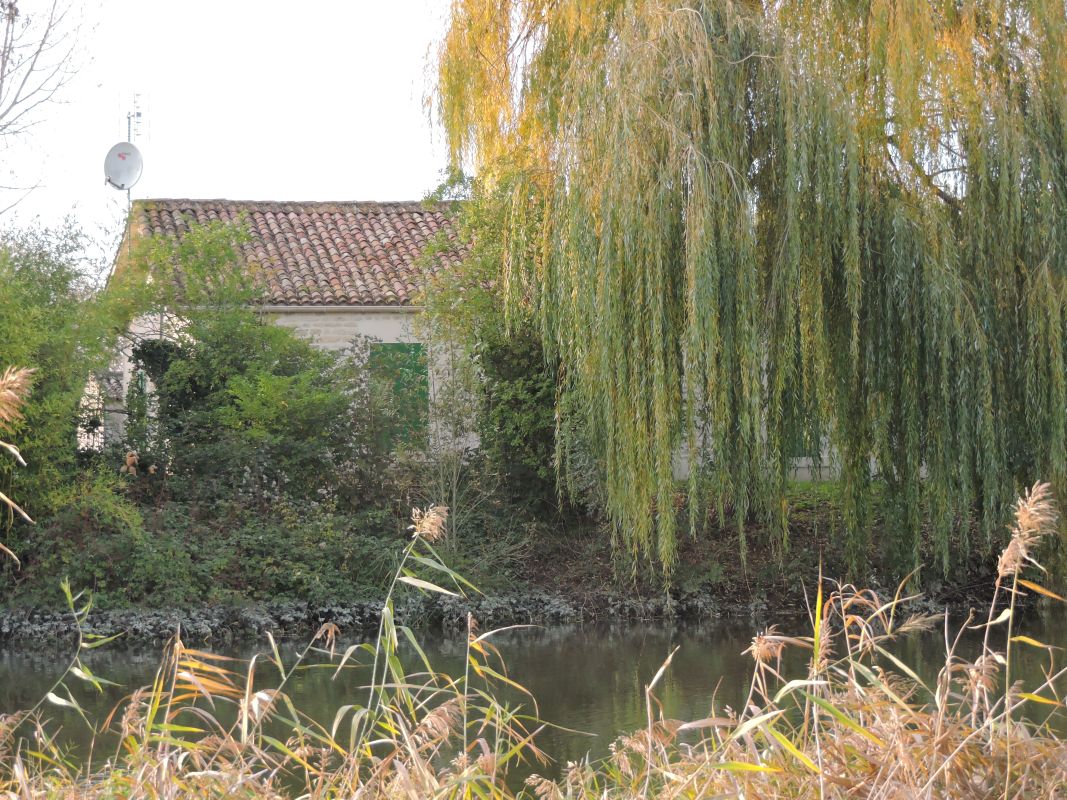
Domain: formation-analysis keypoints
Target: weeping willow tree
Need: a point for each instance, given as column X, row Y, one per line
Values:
column 747, row 230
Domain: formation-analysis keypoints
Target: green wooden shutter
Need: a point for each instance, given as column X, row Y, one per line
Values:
column 403, row 368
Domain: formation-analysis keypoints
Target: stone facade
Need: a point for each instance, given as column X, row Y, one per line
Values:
column 333, row 327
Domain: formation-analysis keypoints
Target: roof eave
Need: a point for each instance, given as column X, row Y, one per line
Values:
column 322, row 308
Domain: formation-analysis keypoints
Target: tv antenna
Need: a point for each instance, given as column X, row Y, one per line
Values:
column 123, row 166
column 133, row 119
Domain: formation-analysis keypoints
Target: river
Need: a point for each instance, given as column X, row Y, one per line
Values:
column 588, row 679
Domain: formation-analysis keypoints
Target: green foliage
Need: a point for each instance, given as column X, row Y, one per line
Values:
column 247, row 410
column 517, row 420
column 180, row 556
column 139, row 433
column 745, row 229
column 501, row 384
column 53, row 319
column 92, row 540
column 247, row 406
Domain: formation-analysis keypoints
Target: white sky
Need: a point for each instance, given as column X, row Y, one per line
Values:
column 242, row 99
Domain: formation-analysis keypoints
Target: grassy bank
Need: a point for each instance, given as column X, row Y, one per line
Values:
column 181, row 555
column 859, row 722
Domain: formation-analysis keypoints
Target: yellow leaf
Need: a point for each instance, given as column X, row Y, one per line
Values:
column 755, row 722
column 793, row 749
column 1039, row 699
column 744, row 766
column 841, row 717
column 1031, row 642
column 707, row 722
column 1041, row 590
column 1004, row 616
column 421, row 584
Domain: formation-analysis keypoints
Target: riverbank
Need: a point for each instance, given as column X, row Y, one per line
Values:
column 226, row 625
column 231, row 580
column 692, row 668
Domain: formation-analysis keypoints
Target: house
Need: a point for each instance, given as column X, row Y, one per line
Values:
column 329, row 270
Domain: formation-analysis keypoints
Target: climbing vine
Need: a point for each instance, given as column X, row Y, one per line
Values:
column 740, row 226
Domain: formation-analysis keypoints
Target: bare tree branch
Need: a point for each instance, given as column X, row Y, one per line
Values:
column 36, row 60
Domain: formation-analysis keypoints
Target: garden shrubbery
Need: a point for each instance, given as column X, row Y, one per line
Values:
column 264, row 468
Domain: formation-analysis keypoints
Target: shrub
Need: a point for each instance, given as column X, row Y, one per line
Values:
column 95, row 540
column 54, row 318
column 183, row 556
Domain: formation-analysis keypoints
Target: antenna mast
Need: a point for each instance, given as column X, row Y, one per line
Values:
column 131, row 117
column 123, row 163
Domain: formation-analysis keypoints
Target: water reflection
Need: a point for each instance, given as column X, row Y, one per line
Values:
column 587, row 678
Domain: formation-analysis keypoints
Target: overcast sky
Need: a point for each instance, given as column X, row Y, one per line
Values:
column 242, row 99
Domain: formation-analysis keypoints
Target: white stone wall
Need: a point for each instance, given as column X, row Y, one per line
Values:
column 333, row 328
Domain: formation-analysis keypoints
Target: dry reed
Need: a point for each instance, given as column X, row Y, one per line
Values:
column 859, row 723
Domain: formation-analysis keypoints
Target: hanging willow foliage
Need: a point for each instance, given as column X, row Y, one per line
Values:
column 751, row 228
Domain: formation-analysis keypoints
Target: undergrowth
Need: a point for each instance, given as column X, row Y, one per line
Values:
column 858, row 723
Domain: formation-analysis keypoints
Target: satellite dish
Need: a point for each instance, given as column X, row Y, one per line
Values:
column 123, row 165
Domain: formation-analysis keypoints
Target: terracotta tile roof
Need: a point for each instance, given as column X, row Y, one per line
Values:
column 321, row 254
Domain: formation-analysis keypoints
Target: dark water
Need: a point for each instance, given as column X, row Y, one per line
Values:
column 587, row 678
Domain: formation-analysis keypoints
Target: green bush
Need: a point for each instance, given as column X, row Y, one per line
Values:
column 320, row 558
column 183, row 556
column 517, row 415
column 92, row 540
column 247, row 406
column 244, row 410
column 54, row 319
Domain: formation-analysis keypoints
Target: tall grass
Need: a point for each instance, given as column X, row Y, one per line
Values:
column 860, row 722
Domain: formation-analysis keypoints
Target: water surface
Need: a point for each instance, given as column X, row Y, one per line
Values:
column 587, row 678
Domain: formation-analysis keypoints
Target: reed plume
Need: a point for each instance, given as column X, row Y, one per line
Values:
column 14, row 389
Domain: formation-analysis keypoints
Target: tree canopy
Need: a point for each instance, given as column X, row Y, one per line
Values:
column 757, row 229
